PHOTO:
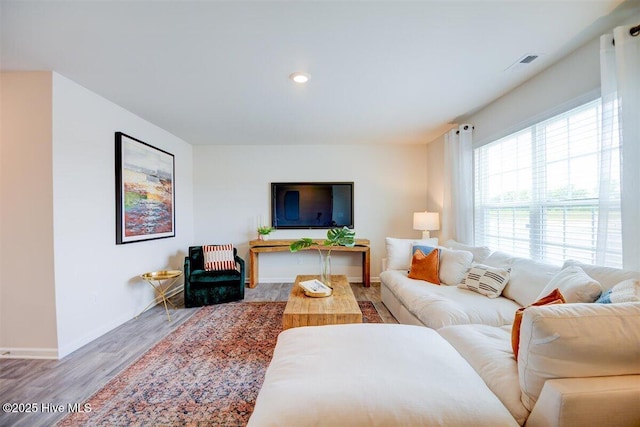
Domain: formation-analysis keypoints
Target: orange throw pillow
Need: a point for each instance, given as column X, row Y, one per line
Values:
column 555, row 297
column 425, row 267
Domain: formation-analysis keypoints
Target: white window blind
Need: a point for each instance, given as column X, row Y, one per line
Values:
column 537, row 191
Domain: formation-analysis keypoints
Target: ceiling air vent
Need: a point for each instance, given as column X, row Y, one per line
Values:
column 523, row 62
column 528, row 59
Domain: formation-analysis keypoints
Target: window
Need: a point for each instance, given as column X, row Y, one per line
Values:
column 537, row 191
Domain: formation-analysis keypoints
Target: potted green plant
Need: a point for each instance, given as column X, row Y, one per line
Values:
column 264, row 231
column 335, row 237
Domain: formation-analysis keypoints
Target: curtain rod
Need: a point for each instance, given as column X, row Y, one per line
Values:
column 466, row 127
column 634, row 32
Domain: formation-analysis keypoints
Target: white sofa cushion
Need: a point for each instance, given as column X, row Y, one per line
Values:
column 399, row 251
column 372, row 374
column 499, row 259
column 527, row 279
column 438, row 306
column 488, row 351
column 453, row 265
column 593, row 401
column 480, row 253
column 574, row 284
column 577, row 340
column 485, row 280
column 608, row 277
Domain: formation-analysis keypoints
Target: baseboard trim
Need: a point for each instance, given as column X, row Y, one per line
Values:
column 92, row 335
column 28, row 353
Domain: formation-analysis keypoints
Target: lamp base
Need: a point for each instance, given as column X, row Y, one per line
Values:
column 426, row 235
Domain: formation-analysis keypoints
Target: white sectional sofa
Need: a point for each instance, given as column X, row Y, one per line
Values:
column 411, row 302
column 480, row 329
column 578, row 363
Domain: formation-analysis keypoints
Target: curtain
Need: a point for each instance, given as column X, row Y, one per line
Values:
column 609, row 172
column 620, row 74
column 457, row 209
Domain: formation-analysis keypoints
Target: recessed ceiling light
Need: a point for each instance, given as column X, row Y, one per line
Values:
column 299, row 77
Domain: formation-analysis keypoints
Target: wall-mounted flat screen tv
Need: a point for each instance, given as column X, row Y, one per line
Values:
column 311, row 204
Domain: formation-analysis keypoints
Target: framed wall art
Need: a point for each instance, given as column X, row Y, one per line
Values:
column 145, row 191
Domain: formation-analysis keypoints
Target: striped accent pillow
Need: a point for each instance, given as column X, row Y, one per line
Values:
column 486, row 280
column 218, row 257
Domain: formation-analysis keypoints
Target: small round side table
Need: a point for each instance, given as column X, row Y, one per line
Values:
column 165, row 290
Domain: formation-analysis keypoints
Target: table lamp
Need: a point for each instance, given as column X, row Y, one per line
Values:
column 426, row 221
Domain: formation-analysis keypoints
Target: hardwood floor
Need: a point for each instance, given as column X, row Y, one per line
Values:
column 76, row 377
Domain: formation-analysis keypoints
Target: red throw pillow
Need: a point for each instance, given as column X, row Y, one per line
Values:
column 218, row 257
column 555, row 297
column 425, row 267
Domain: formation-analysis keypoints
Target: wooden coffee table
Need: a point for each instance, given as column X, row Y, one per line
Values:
column 341, row 307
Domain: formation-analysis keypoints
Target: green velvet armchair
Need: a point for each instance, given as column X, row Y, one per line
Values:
column 203, row 287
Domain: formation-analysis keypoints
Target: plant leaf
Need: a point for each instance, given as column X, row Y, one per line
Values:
column 305, row 242
column 335, row 237
column 341, row 237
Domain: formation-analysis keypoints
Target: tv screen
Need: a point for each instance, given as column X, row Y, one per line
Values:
column 311, row 204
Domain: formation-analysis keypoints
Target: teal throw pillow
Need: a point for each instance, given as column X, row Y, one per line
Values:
column 425, row 249
column 605, row 298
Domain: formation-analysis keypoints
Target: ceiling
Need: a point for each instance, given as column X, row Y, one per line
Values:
column 214, row 72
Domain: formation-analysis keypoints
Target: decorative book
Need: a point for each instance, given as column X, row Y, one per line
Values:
column 315, row 288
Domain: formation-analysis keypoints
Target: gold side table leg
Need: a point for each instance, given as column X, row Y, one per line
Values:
column 164, row 300
column 162, row 292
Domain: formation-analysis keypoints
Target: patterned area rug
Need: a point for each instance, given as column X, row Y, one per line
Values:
column 206, row 373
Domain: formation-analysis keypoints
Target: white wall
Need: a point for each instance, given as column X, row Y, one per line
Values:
column 27, row 302
column 64, row 281
column 568, row 83
column 97, row 283
column 573, row 80
column 232, row 188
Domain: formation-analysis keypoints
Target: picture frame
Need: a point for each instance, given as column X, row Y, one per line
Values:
column 145, row 191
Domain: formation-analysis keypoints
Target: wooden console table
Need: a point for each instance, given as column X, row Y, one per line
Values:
column 260, row 246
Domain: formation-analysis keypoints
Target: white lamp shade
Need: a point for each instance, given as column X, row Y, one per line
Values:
column 426, row 221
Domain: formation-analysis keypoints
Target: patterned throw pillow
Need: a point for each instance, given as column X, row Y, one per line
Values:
column 218, row 257
column 555, row 297
column 425, row 267
column 485, row 280
column 625, row 291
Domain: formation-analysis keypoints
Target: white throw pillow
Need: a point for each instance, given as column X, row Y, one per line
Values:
column 480, row 253
column 454, row 265
column 485, row 280
column 575, row 341
column 574, row 284
column 399, row 251
column 608, row 277
column 527, row 278
column 625, row 291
